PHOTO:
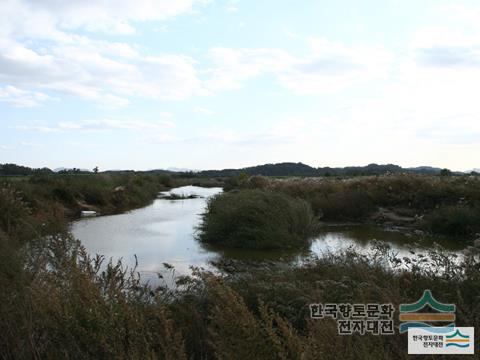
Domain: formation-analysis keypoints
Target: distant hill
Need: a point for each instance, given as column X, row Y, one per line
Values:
column 292, row 169
column 370, row 169
column 300, row 169
column 176, row 169
column 64, row 169
column 279, row 169
column 425, row 170
column 18, row 170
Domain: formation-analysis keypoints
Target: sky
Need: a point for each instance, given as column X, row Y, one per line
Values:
column 210, row 84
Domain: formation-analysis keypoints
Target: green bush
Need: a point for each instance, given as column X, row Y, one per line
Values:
column 343, row 205
column 256, row 219
column 458, row 221
column 16, row 219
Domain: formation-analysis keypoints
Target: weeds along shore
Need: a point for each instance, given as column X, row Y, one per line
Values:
column 59, row 302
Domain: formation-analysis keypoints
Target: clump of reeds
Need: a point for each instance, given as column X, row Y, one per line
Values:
column 257, row 219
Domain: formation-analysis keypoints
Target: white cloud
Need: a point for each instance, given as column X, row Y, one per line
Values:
column 29, row 144
column 166, row 115
column 232, row 67
column 428, row 110
column 39, row 128
column 55, row 18
column 442, row 47
column 332, row 67
column 328, row 67
column 22, row 98
column 169, row 77
column 232, row 6
column 40, row 49
column 203, row 111
column 110, row 101
column 111, row 73
column 226, row 138
column 98, row 71
column 290, row 34
column 101, row 125
column 436, row 90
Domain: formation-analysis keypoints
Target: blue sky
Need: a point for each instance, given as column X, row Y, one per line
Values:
column 212, row 84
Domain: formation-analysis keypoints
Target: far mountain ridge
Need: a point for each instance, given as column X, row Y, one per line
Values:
column 301, row 169
column 277, row 169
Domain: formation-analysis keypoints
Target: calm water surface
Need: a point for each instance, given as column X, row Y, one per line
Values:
column 163, row 232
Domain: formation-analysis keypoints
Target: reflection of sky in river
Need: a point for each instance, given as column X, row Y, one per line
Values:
column 161, row 232
column 164, row 233
column 362, row 238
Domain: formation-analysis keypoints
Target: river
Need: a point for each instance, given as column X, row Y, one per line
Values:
column 164, row 232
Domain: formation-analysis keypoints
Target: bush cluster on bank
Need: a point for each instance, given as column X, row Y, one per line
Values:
column 457, row 221
column 256, row 219
column 43, row 204
column 447, row 205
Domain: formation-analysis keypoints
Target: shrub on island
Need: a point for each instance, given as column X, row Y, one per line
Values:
column 257, row 219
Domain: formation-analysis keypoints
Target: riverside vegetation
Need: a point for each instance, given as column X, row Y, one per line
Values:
column 441, row 205
column 59, row 302
column 44, row 204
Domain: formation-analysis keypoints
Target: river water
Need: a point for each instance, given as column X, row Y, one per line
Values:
column 164, row 232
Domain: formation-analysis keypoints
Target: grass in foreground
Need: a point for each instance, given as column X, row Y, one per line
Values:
column 57, row 302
